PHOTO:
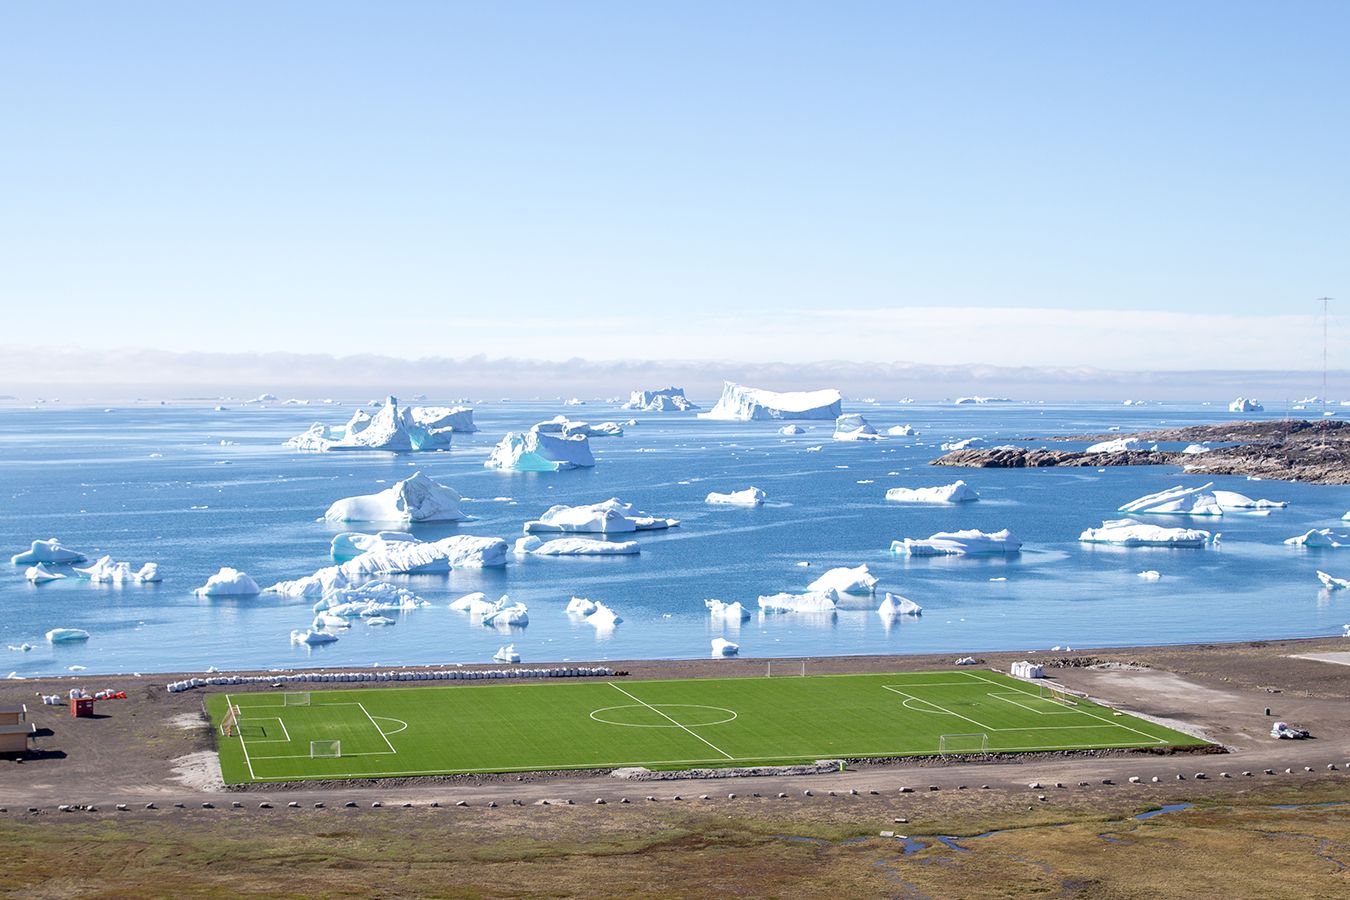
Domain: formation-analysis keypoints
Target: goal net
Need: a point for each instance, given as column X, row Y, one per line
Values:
column 229, row 726
column 325, row 749
column 972, row 742
column 1057, row 694
column 295, row 698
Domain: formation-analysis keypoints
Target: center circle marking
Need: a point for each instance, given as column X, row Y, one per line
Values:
column 669, row 709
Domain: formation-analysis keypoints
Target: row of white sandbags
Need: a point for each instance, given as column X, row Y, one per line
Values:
column 439, row 675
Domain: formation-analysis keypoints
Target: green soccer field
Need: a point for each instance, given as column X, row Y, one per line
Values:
column 386, row 732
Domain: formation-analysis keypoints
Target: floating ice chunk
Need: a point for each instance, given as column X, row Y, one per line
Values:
column 475, row 604
column 327, row 621
column 378, row 620
column 743, row 404
column 1243, row 404
column 603, row 618
column 980, row 401
column 568, row 428
column 1151, row 575
column 49, row 551
column 536, row 451
column 967, row 444
column 814, row 602
column 351, row 544
column 751, row 496
column 105, row 571
column 1120, row 445
column 507, row 654
column 400, row 558
column 1233, row 500
column 414, row 499
column 575, row 546
column 1193, row 449
column 957, row 492
column 723, row 647
column 969, row 542
column 580, row 606
column 369, row 599
column 844, row 580
column 611, row 516
column 1332, row 583
column 727, row 612
column 430, row 427
column 853, row 427
column 663, row 400
column 1176, row 501
column 66, row 635
column 894, row 605
column 39, row 574
column 1131, row 533
column 504, row 615
column 902, row 431
column 575, row 401
column 1346, row 517
column 228, row 583
column 21, row 648
column 1321, row 538
column 313, row 637
column 792, row 429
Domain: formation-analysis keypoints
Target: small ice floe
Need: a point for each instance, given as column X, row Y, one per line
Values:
column 574, row 546
column 969, row 542
column 105, row 571
column 602, row 618
column 857, row 580
column 1151, row 575
column 611, row 516
column 66, row 635
column 416, row 498
column 751, row 496
column 378, row 620
column 313, row 637
column 902, row 431
column 1321, row 538
column 1232, row 500
column 723, row 647
column 567, row 427
column 1194, row 449
column 815, row 449
column 327, row 621
column 1332, row 583
column 475, row 604
column 506, row 615
column 853, row 427
column 39, row 574
column 76, row 668
column 894, row 605
column 792, row 429
column 580, row 606
column 999, row 578
column 21, row 648
column 48, row 551
column 229, row 582
column 803, row 564
column 507, row 654
column 813, row 602
column 1121, row 445
column 726, row 612
column 967, row 444
column 956, row 492
column 1132, row 533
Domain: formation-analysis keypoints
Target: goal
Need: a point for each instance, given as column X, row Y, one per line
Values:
column 1057, row 694
column 296, row 698
column 972, row 742
column 229, row 726
column 325, row 749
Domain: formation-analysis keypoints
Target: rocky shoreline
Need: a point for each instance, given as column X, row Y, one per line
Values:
column 1280, row 450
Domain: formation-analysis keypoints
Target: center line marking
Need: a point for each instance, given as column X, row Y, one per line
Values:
column 672, row 721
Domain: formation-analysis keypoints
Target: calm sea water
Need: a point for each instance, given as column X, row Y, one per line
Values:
column 194, row 489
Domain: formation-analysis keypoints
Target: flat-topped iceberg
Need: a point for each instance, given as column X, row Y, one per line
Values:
column 751, row 496
column 967, row 444
column 1332, row 583
column 66, row 635
column 461, row 551
column 902, row 431
column 1321, row 538
column 726, row 612
column 744, row 404
column 724, row 647
column 49, row 551
column 574, row 546
column 414, row 499
column 1235, row 501
column 538, row 451
column 569, row 428
column 1121, row 445
column 669, row 399
column 1243, row 404
column 894, row 605
column 105, row 571
column 1176, row 501
column 229, row 582
column 1132, row 533
column 970, row 542
column 313, row 637
column 393, row 428
column 957, row 492
column 39, row 574
column 857, row 580
column 853, row 427
column 980, row 401
column 812, row 602
column 611, row 516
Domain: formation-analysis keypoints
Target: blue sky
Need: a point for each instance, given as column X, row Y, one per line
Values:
column 691, row 180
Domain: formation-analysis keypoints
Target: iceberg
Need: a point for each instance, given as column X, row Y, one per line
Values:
column 1332, row 583
column 967, row 444
column 414, row 499
column 969, row 542
column 568, row 428
column 574, row 546
column 853, row 427
column 379, row 620
column 49, row 551
column 475, row 604
column 326, row 620
column 724, row 647
column 538, row 451
column 1121, row 445
column 507, row 654
column 400, row 558
column 1151, row 575
column 727, row 612
column 1176, row 501
column 394, row 429
column 751, row 496
column 1242, row 405
column 66, row 635
column 611, row 516
column 39, row 574
column 105, row 571
column 894, row 605
column 844, row 580
column 228, row 583
column 313, row 637
column 603, row 618
column 351, row 544
column 1321, row 538
column 980, row 401
column 902, row 431
column 504, row 615
column 744, row 404
column 663, row 400
column 815, row 602
column 957, row 492
column 1232, row 500
column 1132, row 533
column 792, row 429
column 1193, row 449
column 370, row 599
column 580, row 606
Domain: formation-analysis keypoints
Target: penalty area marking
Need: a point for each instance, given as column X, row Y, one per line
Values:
column 595, row 714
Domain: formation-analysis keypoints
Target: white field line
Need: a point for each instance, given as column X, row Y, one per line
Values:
column 1040, row 712
column 1151, row 738
column 373, row 724
column 664, row 716
column 242, row 745
column 344, row 756
column 277, row 719
column 940, row 708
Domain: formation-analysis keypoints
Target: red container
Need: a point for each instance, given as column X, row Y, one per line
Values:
column 81, row 707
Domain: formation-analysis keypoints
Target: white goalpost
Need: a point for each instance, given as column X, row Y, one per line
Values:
column 1057, row 694
column 229, row 726
column 325, row 749
column 295, row 698
column 970, row 742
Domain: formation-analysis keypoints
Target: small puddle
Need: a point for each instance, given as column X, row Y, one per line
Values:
column 1169, row 808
